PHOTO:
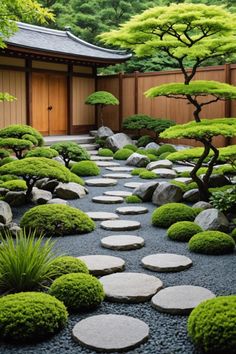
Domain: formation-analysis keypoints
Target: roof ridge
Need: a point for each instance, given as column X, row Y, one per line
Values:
column 29, row 26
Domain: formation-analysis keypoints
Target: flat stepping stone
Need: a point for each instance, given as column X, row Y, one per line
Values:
column 133, row 185
column 101, row 215
column 117, row 175
column 180, row 169
column 132, row 210
column 130, row 287
column 102, row 265
column 111, row 333
column 165, row 172
column 101, row 182
column 166, row 262
column 120, row 169
column 101, row 158
column 122, row 242
column 105, row 199
column 180, row 299
column 122, row 194
column 120, row 225
column 106, row 163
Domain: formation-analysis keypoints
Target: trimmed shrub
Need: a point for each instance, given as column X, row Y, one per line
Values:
column 137, row 171
column 224, row 200
column 4, row 153
column 183, row 231
column 57, row 220
column 122, row 154
column 78, row 291
column 170, row 213
column 85, row 168
column 212, row 324
column 6, row 160
column 130, row 147
column 133, row 199
column 76, row 179
column 30, row 316
column 166, row 148
column 14, row 185
column 211, row 242
column 137, row 122
column 144, row 140
column 21, row 131
column 70, row 151
column 100, row 141
column 6, row 178
column 66, row 265
column 16, row 145
column 233, row 234
column 42, row 152
column 148, row 175
column 105, row 152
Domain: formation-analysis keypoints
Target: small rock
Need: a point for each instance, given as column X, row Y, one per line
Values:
column 180, row 169
column 165, row 172
column 5, row 213
column 152, row 145
column 70, row 190
column 185, row 180
column 15, row 199
column 218, row 181
column 104, row 132
column 137, row 160
column 192, row 195
column 59, row 159
column 203, row 205
column 57, row 201
column 15, row 230
column 40, row 196
column 212, row 219
column 50, row 185
column 146, row 190
column 118, row 141
column 167, row 193
column 159, row 164
column 3, row 192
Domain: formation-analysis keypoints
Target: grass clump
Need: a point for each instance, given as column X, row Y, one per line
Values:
column 123, row 154
column 183, row 231
column 66, row 265
column 105, row 152
column 148, row 175
column 133, row 199
column 85, row 168
column 211, row 242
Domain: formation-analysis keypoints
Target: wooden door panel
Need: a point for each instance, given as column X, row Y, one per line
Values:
column 58, row 102
column 40, row 102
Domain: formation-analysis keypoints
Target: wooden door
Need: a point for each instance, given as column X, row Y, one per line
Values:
column 40, row 91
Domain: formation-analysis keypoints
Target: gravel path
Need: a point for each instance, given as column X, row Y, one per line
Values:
column 168, row 333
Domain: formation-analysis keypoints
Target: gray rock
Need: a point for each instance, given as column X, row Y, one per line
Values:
column 218, row 181
column 159, row 164
column 166, row 262
column 120, row 169
column 57, row 201
column 212, row 219
column 104, row 132
column 101, row 158
column 152, row 146
column 180, row 169
column 40, row 196
column 122, row 242
column 3, row 191
column 15, row 230
column 16, row 199
column 117, row 175
column 41, row 182
column 192, row 195
column 107, row 163
column 101, row 265
column 5, row 213
column 122, row 194
column 132, row 210
column 59, row 159
column 102, row 215
column 118, row 141
column 105, row 199
column 101, row 182
column 146, row 190
column 185, row 180
column 70, row 190
column 120, row 225
column 50, row 185
column 203, row 205
column 165, row 172
column 137, row 160
column 132, row 185
column 167, row 193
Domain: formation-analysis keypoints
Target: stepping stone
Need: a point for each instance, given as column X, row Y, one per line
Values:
column 106, row 163
column 133, row 185
column 180, row 299
column 122, row 194
column 111, row 333
column 132, row 210
column 120, row 169
column 180, row 169
column 105, row 199
column 130, row 287
column 101, row 215
column 159, row 164
column 120, row 225
column 165, row 172
column 100, row 182
column 101, row 265
column 101, row 158
column 185, row 180
column 117, row 175
column 122, row 242
column 166, row 262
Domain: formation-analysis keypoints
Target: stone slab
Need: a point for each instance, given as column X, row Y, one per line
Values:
column 101, row 158
column 132, row 185
column 106, row 163
column 101, row 215
column 159, row 164
column 130, row 287
column 165, row 172
column 122, row 194
column 118, row 175
column 180, row 299
column 166, row 262
column 105, row 199
column 120, row 169
column 180, row 169
column 132, row 210
column 101, row 182
column 120, row 225
column 122, row 242
column 111, row 333
column 102, row 264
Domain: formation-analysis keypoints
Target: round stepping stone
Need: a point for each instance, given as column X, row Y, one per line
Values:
column 111, row 333
column 101, row 158
column 118, row 193
column 101, row 182
column 105, row 199
column 101, row 265
column 122, row 242
column 117, row 175
column 120, row 225
column 133, row 185
column 120, row 169
column 132, row 210
column 166, row 262
column 101, row 215
column 107, row 163
column 180, row 299
column 130, row 287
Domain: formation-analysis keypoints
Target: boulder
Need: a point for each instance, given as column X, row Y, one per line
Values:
column 5, row 213
column 212, row 219
column 146, row 190
column 16, row 199
column 104, row 132
column 167, row 193
column 50, row 185
column 3, row 191
column 159, row 164
column 14, row 229
column 185, row 180
column 152, row 145
column 137, row 160
column 192, row 195
column 57, row 201
column 118, row 141
column 164, row 172
column 218, row 181
column 40, row 196
column 41, row 182
column 70, row 190
column 203, row 205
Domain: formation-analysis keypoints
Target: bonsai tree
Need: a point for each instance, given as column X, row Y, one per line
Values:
column 101, row 99
column 137, row 122
column 71, row 151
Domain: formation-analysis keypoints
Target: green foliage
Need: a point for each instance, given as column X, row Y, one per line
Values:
column 66, row 265
column 100, row 141
column 16, row 145
column 76, row 179
column 57, row 220
column 144, row 140
column 130, row 147
column 105, row 152
column 211, row 325
column 4, row 96
column 159, row 125
column 166, row 148
column 78, row 291
column 25, row 263
column 233, row 234
column 30, row 316
column 183, row 186
column 101, row 98
column 170, row 213
column 42, row 152
column 137, row 171
column 148, row 175
column 6, row 160
column 136, row 122
column 164, row 155
column 70, row 151
column 6, row 178
column 18, row 131
column 183, row 230
column 122, row 154
column 4, row 153
column 85, row 168
column 211, row 242
column 133, row 199
column 224, row 200
column 14, row 185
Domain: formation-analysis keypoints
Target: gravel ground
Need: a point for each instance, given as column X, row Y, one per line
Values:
column 168, row 333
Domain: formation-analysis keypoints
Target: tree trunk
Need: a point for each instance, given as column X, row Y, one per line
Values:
column 198, row 107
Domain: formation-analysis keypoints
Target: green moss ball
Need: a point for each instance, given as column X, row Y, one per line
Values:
column 42, row 152
column 78, row 291
column 105, row 152
column 211, row 242
column 133, row 199
column 164, row 155
column 212, row 325
column 85, row 168
column 170, row 213
column 57, row 220
column 137, row 171
column 166, row 148
column 183, row 231
column 130, row 147
column 66, row 265
column 233, row 234
column 30, row 316
column 148, row 175
column 123, row 154
column 14, row 185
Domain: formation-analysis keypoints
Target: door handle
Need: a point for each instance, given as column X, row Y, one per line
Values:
column 49, row 108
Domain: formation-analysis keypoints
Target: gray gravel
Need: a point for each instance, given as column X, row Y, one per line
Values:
column 168, row 333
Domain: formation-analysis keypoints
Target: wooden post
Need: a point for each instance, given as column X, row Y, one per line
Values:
column 70, row 99
column 120, row 76
column 136, row 92
column 96, row 89
column 227, row 69
column 28, row 81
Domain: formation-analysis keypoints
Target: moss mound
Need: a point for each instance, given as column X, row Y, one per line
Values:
column 30, row 316
column 212, row 325
column 233, row 234
column 85, row 168
column 133, row 199
column 131, row 147
column 57, row 220
column 123, row 154
column 148, row 175
column 137, row 171
column 166, row 148
column 76, row 179
column 66, row 265
column 14, row 185
column 212, row 242
column 105, row 152
column 183, row 231
column 170, row 213
column 78, row 291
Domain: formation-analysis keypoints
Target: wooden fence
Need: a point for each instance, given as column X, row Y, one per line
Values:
column 130, row 88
